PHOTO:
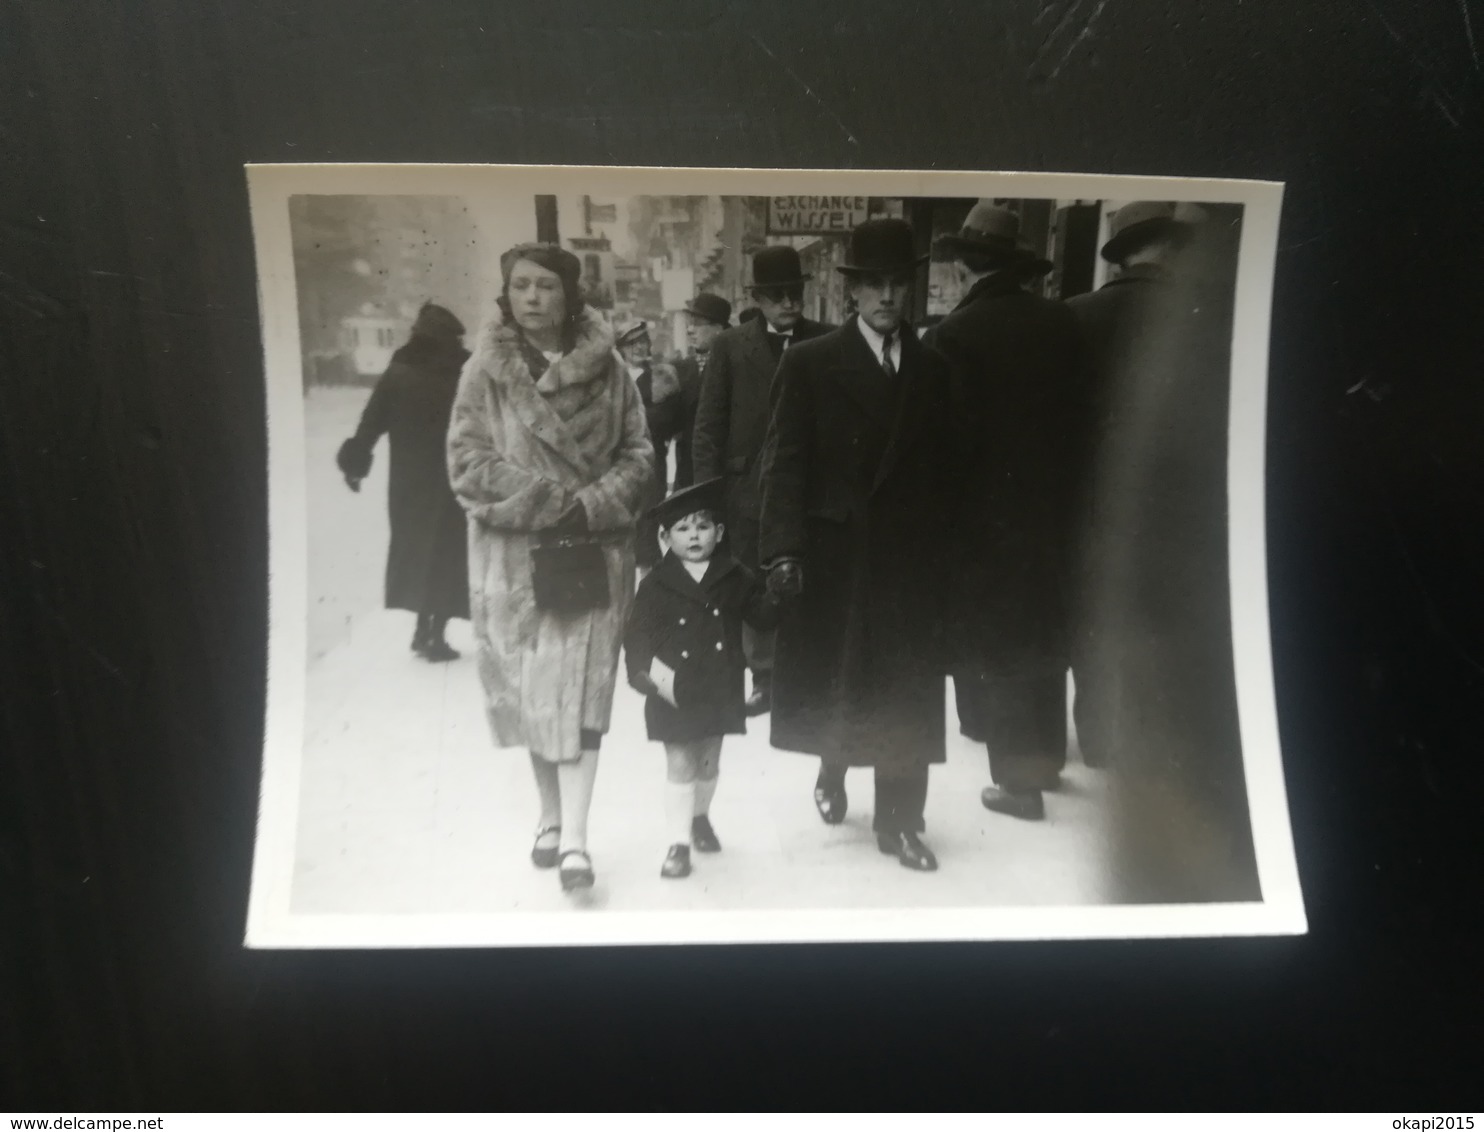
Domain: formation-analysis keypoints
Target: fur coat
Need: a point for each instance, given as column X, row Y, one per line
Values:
column 520, row 452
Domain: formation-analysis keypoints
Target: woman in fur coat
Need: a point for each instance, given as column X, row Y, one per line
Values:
column 548, row 435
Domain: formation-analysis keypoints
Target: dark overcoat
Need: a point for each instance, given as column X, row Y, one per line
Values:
column 427, row 568
column 688, row 370
column 1158, row 613
column 695, row 627
column 732, row 419
column 1117, row 323
column 1121, row 325
column 660, row 390
column 859, row 486
column 1019, row 411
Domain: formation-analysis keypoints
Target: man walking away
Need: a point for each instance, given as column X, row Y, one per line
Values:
column 1013, row 359
column 1156, row 642
column 1119, row 323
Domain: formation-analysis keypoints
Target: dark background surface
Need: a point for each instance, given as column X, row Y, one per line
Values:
column 133, row 553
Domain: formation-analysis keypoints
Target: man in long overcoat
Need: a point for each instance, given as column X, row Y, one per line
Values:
column 732, row 418
column 1155, row 636
column 857, row 535
column 707, row 316
column 1121, row 324
column 427, row 566
column 1018, row 410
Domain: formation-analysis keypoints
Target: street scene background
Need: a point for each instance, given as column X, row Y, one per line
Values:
column 364, row 264
column 405, row 805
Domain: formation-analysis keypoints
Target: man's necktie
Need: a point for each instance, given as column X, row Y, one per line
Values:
column 886, row 362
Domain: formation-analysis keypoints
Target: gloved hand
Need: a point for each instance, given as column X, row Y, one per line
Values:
column 786, row 578
column 353, row 482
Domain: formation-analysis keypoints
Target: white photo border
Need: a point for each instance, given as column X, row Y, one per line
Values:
column 270, row 921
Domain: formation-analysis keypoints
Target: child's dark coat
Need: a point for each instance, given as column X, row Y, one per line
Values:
column 695, row 628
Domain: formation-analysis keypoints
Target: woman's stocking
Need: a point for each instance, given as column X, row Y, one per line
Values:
column 576, row 781
column 549, row 790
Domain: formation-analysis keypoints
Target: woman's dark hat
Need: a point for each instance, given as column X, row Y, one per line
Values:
column 777, row 265
column 639, row 332
column 992, row 231
column 713, row 308
column 708, row 495
column 881, row 247
column 434, row 321
column 1143, row 221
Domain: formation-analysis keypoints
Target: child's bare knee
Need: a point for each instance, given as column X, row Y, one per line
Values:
column 681, row 764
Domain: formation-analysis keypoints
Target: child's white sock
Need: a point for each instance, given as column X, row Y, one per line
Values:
column 680, row 802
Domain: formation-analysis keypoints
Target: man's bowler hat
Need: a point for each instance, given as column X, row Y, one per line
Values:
column 713, row 308
column 776, row 265
column 881, row 247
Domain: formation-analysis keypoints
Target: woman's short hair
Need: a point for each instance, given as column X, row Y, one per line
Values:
column 555, row 259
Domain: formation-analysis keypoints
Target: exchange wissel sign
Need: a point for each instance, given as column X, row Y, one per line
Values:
column 814, row 216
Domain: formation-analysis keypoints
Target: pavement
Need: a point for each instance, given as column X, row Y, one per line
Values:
column 406, row 807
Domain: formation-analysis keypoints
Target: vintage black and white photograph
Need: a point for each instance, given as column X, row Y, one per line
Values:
column 666, row 556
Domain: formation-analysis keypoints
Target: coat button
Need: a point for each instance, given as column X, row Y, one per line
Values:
column 716, row 613
column 718, row 646
column 684, row 654
column 682, row 620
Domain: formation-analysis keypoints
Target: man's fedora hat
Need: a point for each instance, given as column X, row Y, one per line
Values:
column 1142, row 221
column 713, row 308
column 881, row 247
column 776, row 265
column 993, row 231
column 639, row 332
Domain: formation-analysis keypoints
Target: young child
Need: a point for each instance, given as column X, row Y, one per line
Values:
column 683, row 649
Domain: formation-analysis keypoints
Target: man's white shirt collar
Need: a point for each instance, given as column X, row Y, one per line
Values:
column 877, row 342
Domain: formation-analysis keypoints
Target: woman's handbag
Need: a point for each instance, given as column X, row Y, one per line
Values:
column 569, row 574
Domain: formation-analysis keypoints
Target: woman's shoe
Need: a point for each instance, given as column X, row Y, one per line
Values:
column 545, row 856
column 677, row 863
column 576, row 876
column 702, row 836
